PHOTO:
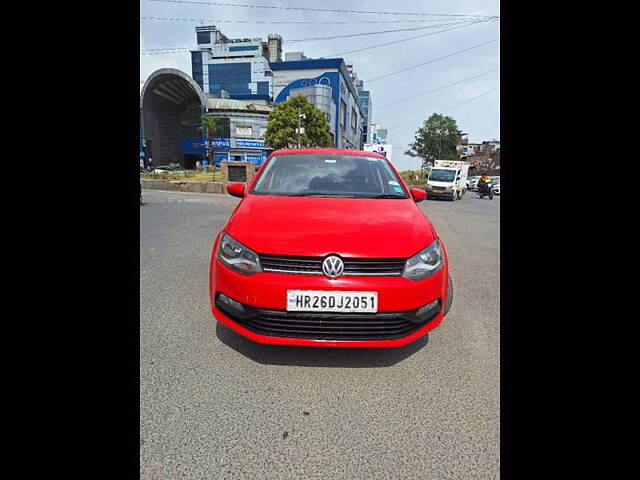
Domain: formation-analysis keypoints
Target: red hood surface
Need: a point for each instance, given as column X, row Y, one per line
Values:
column 313, row 226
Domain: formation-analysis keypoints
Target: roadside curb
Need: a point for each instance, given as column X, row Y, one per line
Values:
column 179, row 186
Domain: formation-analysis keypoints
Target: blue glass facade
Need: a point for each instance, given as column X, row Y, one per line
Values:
column 196, row 68
column 232, row 77
column 243, row 48
column 263, row 88
column 203, row 37
column 364, row 100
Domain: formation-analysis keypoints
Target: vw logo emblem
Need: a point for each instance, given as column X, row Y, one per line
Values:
column 333, row 266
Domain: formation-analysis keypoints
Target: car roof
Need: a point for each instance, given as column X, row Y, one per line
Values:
column 330, row 151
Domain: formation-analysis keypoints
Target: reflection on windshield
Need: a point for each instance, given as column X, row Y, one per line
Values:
column 329, row 175
column 438, row 175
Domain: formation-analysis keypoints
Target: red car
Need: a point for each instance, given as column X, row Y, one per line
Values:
column 328, row 248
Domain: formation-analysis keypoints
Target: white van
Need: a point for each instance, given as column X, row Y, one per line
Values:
column 448, row 179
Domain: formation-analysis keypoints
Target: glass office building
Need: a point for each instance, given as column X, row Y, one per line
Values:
column 327, row 84
column 364, row 99
column 234, row 68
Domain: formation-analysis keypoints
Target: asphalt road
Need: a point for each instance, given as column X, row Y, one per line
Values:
column 214, row 405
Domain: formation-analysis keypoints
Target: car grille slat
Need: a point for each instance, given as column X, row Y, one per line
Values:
column 342, row 335
column 313, row 265
column 332, row 325
column 328, row 326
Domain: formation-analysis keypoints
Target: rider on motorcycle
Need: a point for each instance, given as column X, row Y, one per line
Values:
column 483, row 186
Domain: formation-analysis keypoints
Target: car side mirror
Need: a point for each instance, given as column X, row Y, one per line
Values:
column 236, row 189
column 418, row 194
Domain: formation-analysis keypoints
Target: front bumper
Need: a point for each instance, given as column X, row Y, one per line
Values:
column 444, row 194
column 265, row 296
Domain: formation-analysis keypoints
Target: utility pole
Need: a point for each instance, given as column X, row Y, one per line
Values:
column 298, row 128
column 300, row 115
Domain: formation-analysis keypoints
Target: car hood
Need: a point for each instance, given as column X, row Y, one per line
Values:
column 313, row 226
column 440, row 184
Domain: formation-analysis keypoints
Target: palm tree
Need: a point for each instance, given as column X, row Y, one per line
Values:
column 212, row 125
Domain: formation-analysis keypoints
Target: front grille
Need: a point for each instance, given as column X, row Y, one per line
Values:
column 327, row 326
column 379, row 267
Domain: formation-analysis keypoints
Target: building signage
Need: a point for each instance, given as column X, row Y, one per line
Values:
column 221, row 143
column 244, row 131
column 250, row 143
column 199, row 146
column 257, row 159
column 192, row 146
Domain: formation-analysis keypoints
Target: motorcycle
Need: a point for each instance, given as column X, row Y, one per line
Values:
column 485, row 189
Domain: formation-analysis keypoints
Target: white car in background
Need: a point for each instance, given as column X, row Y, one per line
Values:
column 472, row 182
column 496, row 185
column 166, row 169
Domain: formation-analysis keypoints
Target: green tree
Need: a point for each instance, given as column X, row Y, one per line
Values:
column 436, row 139
column 283, row 122
column 212, row 126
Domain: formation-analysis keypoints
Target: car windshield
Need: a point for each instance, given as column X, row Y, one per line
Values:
column 440, row 175
column 329, row 175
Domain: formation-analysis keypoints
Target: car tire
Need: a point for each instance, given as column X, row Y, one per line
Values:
column 449, row 301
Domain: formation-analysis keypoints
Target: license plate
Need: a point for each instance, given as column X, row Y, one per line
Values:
column 435, row 190
column 331, row 301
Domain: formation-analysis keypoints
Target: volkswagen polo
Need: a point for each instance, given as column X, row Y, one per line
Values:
column 328, row 248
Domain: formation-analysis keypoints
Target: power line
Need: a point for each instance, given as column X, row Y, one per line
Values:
column 362, row 34
column 469, row 100
column 335, row 10
column 286, row 22
column 487, row 129
column 164, row 51
column 431, row 61
column 311, row 39
column 466, row 24
column 448, row 108
column 438, row 89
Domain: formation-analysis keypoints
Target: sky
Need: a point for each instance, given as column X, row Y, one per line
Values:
column 478, row 117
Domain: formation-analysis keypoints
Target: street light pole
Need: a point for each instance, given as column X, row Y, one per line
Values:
column 300, row 115
column 298, row 128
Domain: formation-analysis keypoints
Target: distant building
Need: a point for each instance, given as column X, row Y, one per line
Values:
column 238, row 81
column 326, row 83
column 364, row 99
column 379, row 134
column 464, row 148
column 489, row 146
column 293, row 56
column 172, row 106
column 234, row 68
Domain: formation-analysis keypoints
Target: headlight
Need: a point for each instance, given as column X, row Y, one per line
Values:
column 429, row 187
column 424, row 263
column 238, row 257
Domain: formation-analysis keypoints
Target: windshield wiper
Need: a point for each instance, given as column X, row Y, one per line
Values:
column 315, row 194
column 342, row 195
column 385, row 195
